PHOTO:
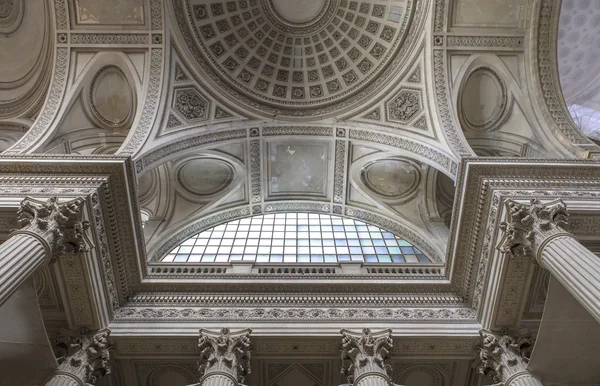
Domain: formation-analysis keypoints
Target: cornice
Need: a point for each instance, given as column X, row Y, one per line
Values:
column 484, row 185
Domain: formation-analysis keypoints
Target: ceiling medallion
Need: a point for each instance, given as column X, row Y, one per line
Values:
column 298, row 58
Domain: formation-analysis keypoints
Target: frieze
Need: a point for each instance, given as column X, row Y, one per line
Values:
column 298, row 130
column 263, row 314
column 486, row 41
column 109, row 38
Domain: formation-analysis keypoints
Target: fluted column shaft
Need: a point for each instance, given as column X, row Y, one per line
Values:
column 48, row 230
column 372, row 380
column 20, row 256
column 576, row 268
column 219, row 379
column 64, row 380
column 523, row 379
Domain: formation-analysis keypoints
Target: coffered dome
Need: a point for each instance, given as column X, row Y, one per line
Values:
column 297, row 58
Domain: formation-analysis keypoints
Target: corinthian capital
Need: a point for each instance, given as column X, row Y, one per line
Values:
column 503, row 356
column 60, row 225
column 530, row 226
column 225, row 353
column 85, row 358
column 365, row 353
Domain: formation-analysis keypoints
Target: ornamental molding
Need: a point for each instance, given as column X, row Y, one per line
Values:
column 148, row 299
column 429, row 152
column 109, row 38
column 262, row 314
column 253, row 101
column 486, row 185
column 107, row 183
column 511, row 42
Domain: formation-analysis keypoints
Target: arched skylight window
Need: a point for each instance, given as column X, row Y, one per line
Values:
column 296, row 238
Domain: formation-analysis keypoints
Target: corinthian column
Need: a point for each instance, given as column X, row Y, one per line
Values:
column 365, row 357
column 504, row 359
column 86, row 360
column 224, row 357
column 538, row 231
column 47, row 230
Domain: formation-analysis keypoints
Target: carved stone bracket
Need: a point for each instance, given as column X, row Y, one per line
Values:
column 59, row 225
column 365, row 354
column 224, row 354
column 84, row 358
column 531, row 227
column 504, row 357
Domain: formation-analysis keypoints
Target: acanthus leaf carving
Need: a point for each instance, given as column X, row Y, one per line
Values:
column 225, row 353
column 59, row 224
column 86, row 358
column 502, row 355
column 365, row 353
column 529, row 226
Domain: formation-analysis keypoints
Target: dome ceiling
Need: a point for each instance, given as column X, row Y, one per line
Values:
column 297, row 57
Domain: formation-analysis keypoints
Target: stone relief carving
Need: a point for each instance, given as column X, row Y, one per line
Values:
column 503, row 355
column 530, row 225
column 190, row 104
column 59, row 224
column 85, row 358
column 405, row 105
column 365, row 354
column 225, row 353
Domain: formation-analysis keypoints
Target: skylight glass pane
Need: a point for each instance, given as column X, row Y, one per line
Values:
column 296, row 238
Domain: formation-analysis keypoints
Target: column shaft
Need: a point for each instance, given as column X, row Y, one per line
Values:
column 524, row 379
column 372, row 380
column 64, row 380
column 577, row 269
column 219, row 380
column 20, row 256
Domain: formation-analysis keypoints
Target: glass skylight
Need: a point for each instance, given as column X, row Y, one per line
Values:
column 296, row 238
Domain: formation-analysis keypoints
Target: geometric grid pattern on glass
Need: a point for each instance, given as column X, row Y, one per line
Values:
column 296, row 238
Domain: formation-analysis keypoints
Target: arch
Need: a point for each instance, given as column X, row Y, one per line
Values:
column 296, row 237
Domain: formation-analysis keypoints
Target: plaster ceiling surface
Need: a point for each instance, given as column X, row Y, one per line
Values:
column 578, row 51
column 297, row 58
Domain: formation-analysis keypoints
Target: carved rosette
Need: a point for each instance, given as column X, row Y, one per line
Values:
column 224, row 354
column 531, row 227
column 60, row 225
column 365, row 354
column 504, row 357
column 85, row 358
